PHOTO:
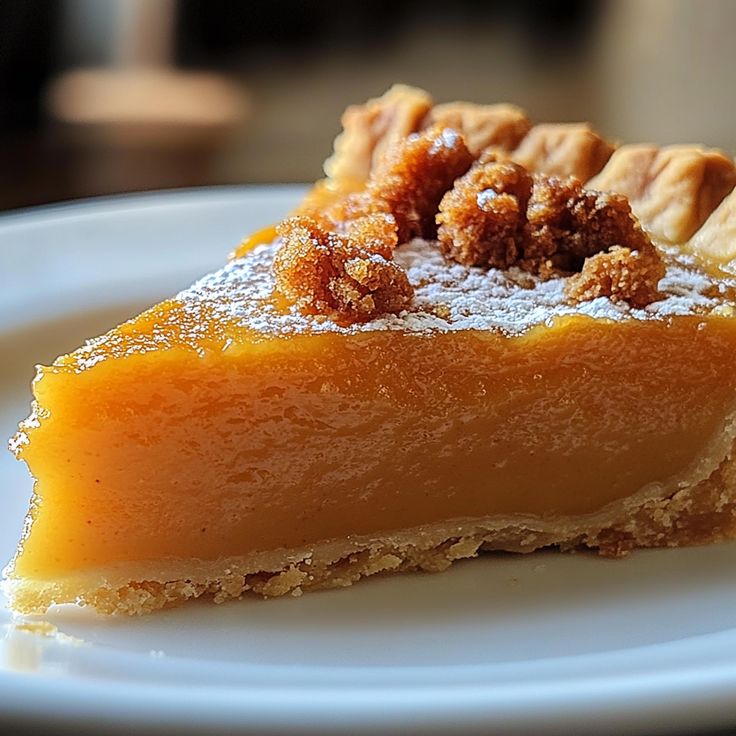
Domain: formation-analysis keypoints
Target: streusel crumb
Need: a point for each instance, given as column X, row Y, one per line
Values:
column 497, row 215
column 369, row 129
column 343, row 278
column 376, row 233
column 568, row 223
column 410, row 182
column 337, row 260
column 622, row 274
column 482, row 218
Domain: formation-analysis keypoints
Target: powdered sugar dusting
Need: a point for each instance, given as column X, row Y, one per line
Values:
column 448, row 297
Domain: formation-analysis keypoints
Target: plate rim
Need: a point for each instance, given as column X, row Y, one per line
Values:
column 64, row 206
column 704, row 699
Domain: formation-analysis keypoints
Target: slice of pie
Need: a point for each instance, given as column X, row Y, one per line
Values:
column 455, row 344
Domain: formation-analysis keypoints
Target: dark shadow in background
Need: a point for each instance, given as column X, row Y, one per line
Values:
column 253, row 43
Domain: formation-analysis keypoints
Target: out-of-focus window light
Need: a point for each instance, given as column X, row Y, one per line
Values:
column 138, row 96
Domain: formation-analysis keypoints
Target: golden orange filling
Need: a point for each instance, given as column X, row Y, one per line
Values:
column 151, row 455
column 259, row 237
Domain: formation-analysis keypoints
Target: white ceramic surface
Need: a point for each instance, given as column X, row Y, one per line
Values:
column 547, row 643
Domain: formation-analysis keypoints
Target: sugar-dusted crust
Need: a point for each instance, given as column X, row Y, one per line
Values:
column 702, row 513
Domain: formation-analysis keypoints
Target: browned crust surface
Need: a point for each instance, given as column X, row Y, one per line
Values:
column 369, row 129
column 563, row 149
column 501, row 126
column 672, row 189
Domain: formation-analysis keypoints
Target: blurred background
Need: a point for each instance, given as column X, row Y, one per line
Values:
column 107, row 96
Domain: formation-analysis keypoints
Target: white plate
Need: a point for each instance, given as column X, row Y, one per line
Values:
column 539, row 644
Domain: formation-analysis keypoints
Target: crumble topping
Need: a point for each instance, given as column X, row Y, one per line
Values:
column 493, row 214
column 350, row 279
column 568, row 224
column 622, row 274
column 498, row 215
column 340, row 262
column 409, row 184
column 369, row 129
column 483, row 217
column 494, row 192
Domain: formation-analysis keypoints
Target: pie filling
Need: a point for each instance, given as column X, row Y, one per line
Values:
column 375, row 390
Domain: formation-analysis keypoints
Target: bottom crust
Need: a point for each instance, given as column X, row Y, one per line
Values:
column 699, row 514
